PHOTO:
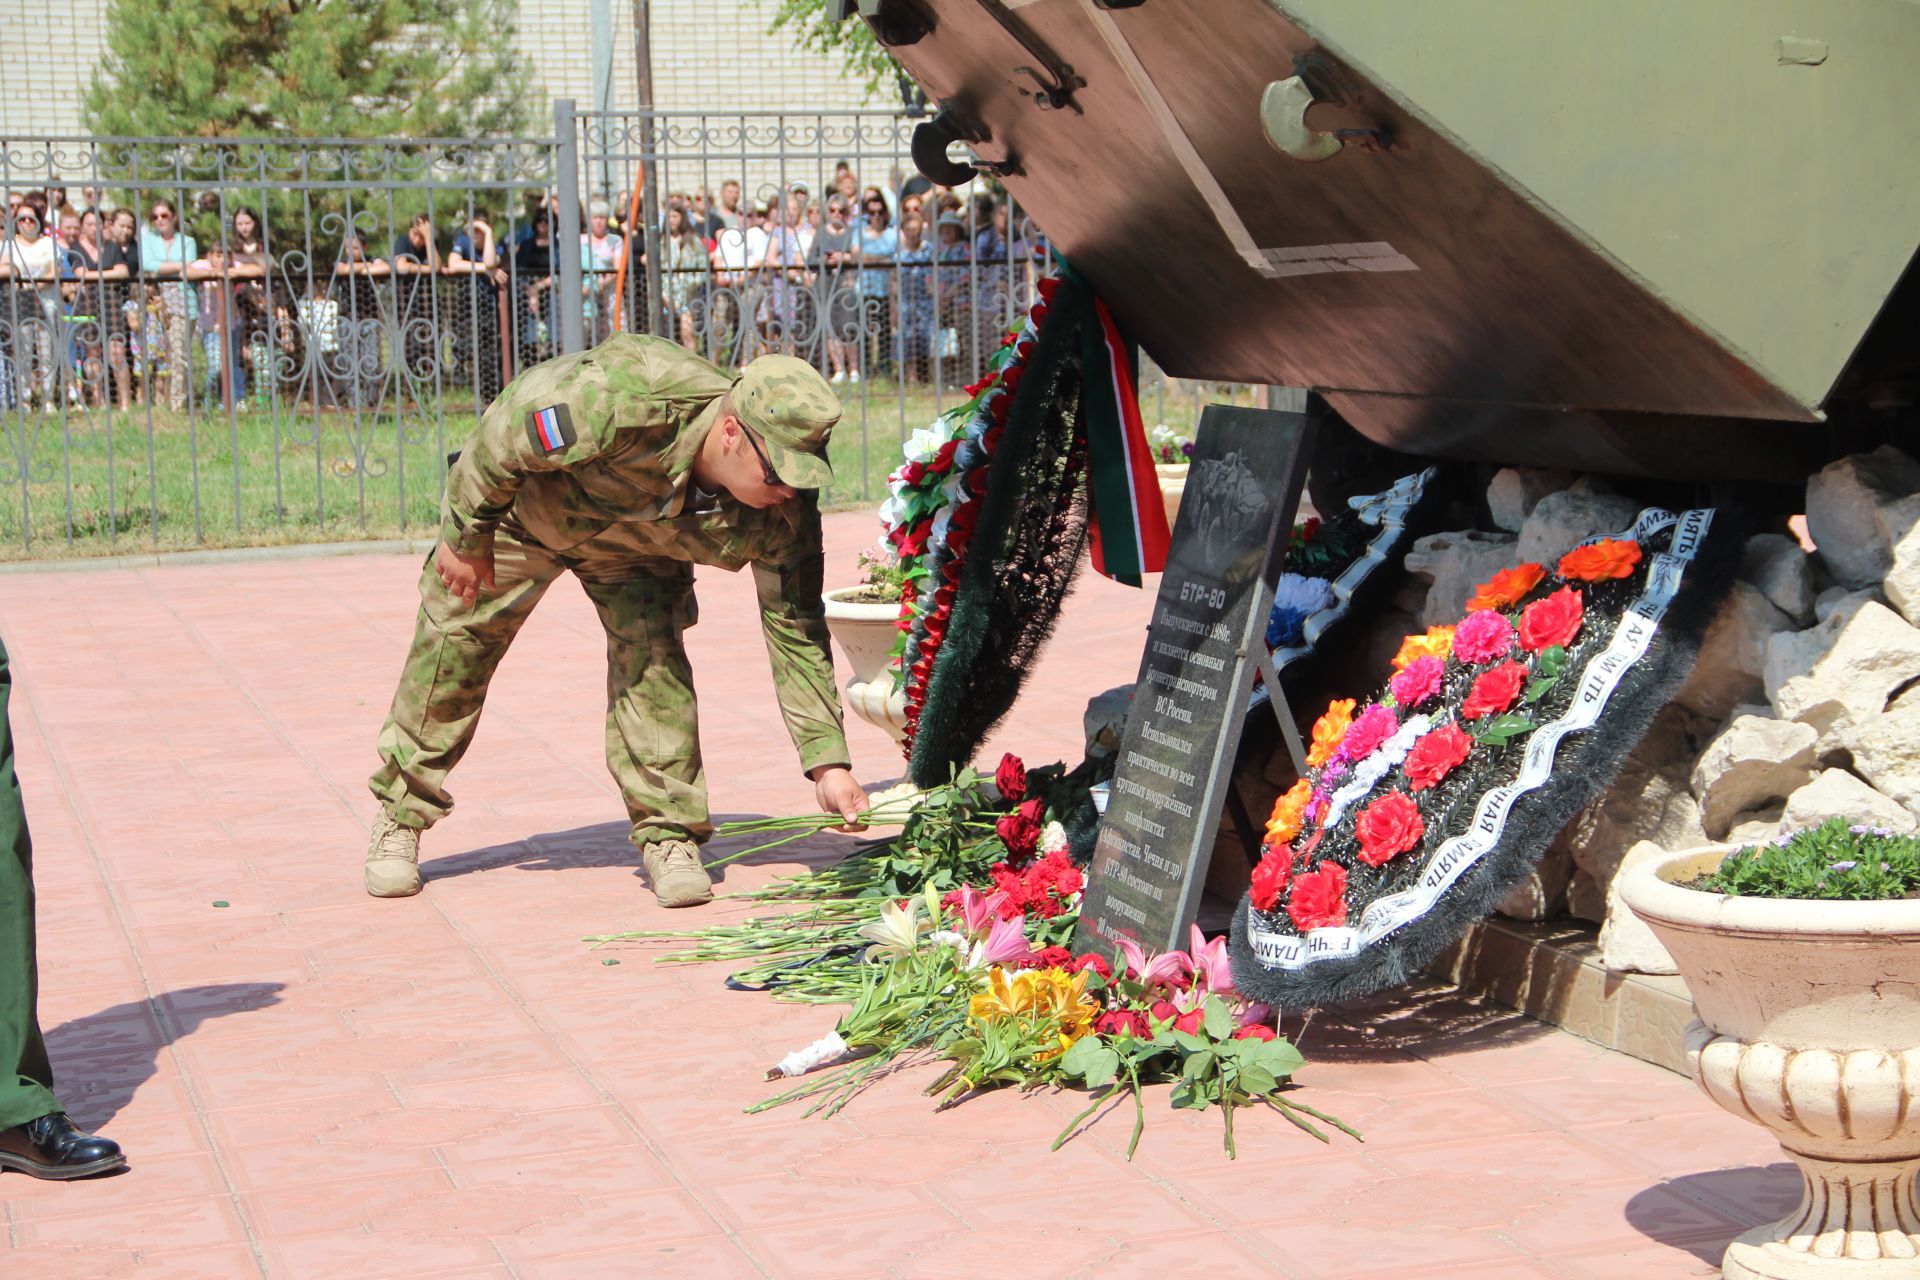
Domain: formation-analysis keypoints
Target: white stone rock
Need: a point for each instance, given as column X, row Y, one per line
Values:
column 1838, row 794
column 1561, row 521
column 1515, row 491
column 1885, row 750
column 1842, row 501
column 1843, row 600
column 1627, row 945
column 1783, row 573
column 1649, row 800
column 1756, row 825
column 1753, row 762
column 1544, row 891
column 1902, row 583
column 1455, row 564
column 1586, row 900
column 1849, row 666
column 1732, row 655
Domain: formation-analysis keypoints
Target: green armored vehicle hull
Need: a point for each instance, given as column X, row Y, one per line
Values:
column 1670, row 239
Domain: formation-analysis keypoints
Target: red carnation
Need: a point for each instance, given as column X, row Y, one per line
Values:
column 1011, row 779
column 1436, row 755
column 1122, row 1022
column 1020, row 830
column 1254, row 1031
column 1319, row 898
column 1097, row 963
column 1554, row 620
column 1055, row 957
column 1270, row 878
column 1494, row 691
column 1388, row 828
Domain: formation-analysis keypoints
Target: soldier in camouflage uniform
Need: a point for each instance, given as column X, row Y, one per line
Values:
column 627, row 464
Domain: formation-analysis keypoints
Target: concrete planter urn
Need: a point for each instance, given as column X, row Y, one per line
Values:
column 1808, row 1023
column 1173, row 483
column 865, row 632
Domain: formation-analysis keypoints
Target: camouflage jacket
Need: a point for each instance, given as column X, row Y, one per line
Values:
column 592, row 456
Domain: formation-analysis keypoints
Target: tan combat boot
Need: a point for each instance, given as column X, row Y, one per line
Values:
column 679, row 877
column 393, row 860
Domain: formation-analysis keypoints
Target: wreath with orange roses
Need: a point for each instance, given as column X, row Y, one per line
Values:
column 1425, row 804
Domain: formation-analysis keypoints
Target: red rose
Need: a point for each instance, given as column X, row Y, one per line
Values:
column 943, row 460
column 991, row 440
column 913, row 473
column 1011, row 779
column 1122, row 1022
column 1020, row 830
column 1254, row 1031
column 1097, row 963
column 1319, row 898
column 1046, row 285
column 1163, row 1011
column 1494, row 691
column 1190, row 1022
column 1436, row 755
column 1270, row 878
column 1554, row 620
column 1388, row 828
column 1048, row 958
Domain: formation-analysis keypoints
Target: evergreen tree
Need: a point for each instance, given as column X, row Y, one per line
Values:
column 311, row 69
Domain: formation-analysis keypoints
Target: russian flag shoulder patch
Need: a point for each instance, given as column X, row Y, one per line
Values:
column 550, row 430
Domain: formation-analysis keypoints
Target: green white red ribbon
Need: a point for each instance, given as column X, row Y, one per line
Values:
column 1129, row 531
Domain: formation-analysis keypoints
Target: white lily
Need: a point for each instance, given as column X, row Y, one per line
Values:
column 897, row 932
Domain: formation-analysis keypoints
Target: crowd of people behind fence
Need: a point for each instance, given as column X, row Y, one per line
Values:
column 104, row 306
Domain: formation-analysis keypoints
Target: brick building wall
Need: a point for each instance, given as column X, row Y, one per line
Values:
column 707, row 56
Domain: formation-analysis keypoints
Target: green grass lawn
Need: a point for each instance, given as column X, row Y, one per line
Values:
column 106, row 483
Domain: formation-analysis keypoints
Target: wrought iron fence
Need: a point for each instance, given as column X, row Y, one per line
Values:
column 262, row 340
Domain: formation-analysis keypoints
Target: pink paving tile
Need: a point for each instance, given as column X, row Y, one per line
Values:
column 580, row 1135
column 1642, row 1262
column 149, row 1180
column 358, row 1255
column 340, row 1206
column 694, row 1259
column 589, row 1223
column 1541, row 1156
column 861, row 1247
column 1586, row 1216
column 759, row 1203
column 527, row 1091
column 1378, row 1247
column 232, row 1262
column 289, row 1164
column 161, row 1225
column 1694, row 1140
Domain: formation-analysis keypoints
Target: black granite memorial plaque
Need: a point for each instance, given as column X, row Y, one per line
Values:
column 1189, row 704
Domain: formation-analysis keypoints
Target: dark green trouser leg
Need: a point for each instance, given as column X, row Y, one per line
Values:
column 26, row 1078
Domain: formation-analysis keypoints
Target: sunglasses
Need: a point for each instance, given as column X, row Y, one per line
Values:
column 767, row 472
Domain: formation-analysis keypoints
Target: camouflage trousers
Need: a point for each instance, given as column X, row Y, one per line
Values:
column 653, row 741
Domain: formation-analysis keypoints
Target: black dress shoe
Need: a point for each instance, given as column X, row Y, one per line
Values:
column 51, row 1147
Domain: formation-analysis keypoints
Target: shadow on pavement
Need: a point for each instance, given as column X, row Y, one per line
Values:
column 1750, row 1195
column 605, row 844
column 1425, row 1018
column 100, row 1061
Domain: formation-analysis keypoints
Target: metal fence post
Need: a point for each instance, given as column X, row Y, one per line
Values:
column 566, row 236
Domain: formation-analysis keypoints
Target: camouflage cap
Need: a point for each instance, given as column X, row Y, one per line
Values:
column 792, row 409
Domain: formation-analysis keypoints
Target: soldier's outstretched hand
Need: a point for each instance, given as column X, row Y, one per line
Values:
column 837, row 791
column 464, row 575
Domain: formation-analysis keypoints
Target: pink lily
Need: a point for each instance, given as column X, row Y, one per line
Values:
column 1210, row 963
column 1006, row 943
column 980, row 912
column 1253, row 1013
column 1166, row 968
